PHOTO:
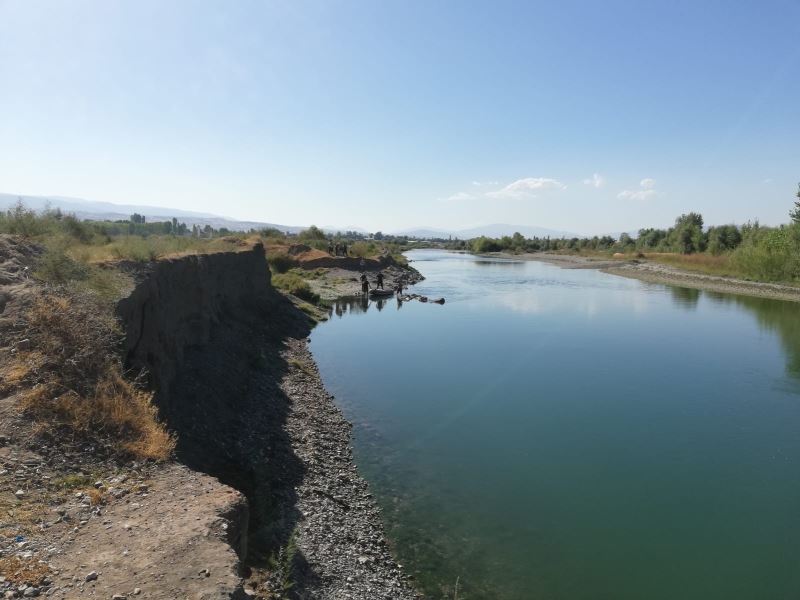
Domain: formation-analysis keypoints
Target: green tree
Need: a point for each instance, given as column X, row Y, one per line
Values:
column 795, row 213
column 723, row 238
column 687, row 236
column 312, row 233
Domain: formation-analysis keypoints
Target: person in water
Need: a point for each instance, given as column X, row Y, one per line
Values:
column 379, row 280
column 364, row 284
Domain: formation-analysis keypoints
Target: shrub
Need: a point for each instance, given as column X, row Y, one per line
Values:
column 24, row 221
column 280, row 262
column 134, row 248
column 295, row 285
column 55, row 266
column 312, row 233
column 363, row 249
column 770, row 254
column 72, row 378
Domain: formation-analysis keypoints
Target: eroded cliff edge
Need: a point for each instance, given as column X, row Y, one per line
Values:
column 226, row 356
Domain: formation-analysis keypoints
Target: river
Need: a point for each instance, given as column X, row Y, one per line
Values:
column 567, row 434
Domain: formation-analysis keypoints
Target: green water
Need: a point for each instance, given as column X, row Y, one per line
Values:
column 567, row 434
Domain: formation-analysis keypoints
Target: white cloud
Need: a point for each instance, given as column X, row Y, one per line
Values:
column 646, row 191
column 636, row 194
column 479, row 183
column 458, row 197
column 527, row 187
column 597, row 181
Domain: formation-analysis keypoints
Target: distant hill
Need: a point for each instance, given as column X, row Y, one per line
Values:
column 87, row 209
column 494, row 231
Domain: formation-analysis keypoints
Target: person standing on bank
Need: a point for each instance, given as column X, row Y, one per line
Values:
column 379, row 280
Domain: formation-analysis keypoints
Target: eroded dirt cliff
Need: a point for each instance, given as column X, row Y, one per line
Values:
column 264, row 500
column 227, row 357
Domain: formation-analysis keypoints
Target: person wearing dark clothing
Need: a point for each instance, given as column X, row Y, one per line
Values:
column 364, row 284
column 379, row 281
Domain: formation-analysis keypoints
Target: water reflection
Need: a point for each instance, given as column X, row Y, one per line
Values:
column 355, row 305
column 685, row 297
column 349, row 305
column 773, row 316
column 498, row 262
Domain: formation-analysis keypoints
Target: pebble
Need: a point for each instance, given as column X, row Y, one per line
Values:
column 92, row 576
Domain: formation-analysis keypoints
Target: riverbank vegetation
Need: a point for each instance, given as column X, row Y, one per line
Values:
column 750, row 251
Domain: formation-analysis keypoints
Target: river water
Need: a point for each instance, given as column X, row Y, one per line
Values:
column 566, row 434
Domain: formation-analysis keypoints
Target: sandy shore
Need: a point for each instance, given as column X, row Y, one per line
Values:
column 653, row 272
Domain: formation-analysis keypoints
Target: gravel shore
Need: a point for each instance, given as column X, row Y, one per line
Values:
column 339, row 531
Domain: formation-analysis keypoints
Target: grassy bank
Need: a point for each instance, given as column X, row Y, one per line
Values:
column 751, row 251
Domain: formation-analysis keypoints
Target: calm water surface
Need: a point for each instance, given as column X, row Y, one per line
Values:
column 566, row 434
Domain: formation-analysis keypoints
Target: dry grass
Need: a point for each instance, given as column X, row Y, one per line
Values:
column 73, row 378
column 96, row 497
column 23, row 570
column 702, row 263
column 143, row 249
column 301, row 365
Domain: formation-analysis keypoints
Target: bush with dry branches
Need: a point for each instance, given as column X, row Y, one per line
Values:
column 71, row 376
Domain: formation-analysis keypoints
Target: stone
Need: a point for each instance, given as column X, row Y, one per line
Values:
column 119, row 597
column 19, row 493
column 137, row 591
column 91, row 576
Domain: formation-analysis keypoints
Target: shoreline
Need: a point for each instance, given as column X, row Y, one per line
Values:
column 263, row 498
column 651, row 272
column 341, row 532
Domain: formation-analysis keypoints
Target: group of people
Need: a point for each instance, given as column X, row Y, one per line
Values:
column 337, row 249
column 379, row 283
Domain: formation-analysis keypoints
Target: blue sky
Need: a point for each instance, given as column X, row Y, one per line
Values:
column 581, row 116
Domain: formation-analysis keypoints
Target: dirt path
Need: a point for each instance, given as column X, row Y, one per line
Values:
column 174, row 538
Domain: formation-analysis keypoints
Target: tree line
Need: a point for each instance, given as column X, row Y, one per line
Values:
column 752, row 249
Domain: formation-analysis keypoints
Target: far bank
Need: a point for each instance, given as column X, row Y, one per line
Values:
column 655, row 272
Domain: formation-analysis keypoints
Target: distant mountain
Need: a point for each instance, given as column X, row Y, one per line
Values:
column 494, row 231
column 87, row 209
column 423, row 233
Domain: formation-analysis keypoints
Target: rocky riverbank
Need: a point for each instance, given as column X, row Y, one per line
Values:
column 334, row 283
column 264, row 500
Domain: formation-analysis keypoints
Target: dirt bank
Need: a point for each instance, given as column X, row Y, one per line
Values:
column 265, row 500
column 653, row 272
